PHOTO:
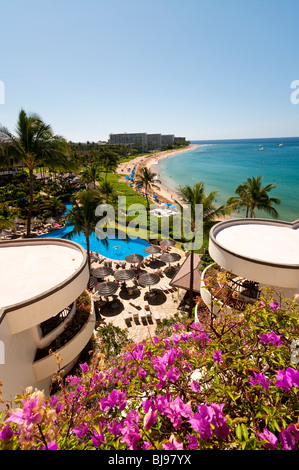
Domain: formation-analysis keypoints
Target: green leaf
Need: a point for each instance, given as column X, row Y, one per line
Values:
column 244, row 431
column 239, row 432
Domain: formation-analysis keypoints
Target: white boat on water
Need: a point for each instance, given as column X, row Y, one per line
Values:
column 262, row 148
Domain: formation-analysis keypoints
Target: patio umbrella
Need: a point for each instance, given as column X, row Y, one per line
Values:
column 167, row 242
column 152, row 249
column 35, row 220
column 170, row 257
column 50, row 221
column 134, row 258
column 148, row 279
column 16, row 220
column 93, row 281
column 102, row 271
column 107, row 288
column 124, row 274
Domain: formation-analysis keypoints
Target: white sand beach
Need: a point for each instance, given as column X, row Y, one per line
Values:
column 149, row 161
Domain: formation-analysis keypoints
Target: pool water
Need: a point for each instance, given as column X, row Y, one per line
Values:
column 115, row 248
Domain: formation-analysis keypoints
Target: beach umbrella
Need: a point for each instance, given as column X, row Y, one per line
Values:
column 107, row 288
column 167, row 242
column 167, row 204
column 148, row 279
column 134, row 258
column 16, row 220
column 152, row 249
column 170, row 257
column 35, row 220
column 50, row 220
column 92, row 281
column 102, row 271
column 124, row 274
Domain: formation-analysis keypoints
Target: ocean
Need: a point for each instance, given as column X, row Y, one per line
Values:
column 223, row 165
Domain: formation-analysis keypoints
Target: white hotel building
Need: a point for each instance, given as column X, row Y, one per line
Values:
column 40, row 279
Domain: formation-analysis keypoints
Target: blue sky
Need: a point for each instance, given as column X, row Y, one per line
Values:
column 203, row 69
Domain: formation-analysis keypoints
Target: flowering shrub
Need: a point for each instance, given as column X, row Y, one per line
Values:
column 221, row 384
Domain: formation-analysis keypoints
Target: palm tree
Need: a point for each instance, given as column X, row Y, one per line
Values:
column 91, row 174
column 193, row 196
column 147, row 179
column 252, row 195
column 33, row 145
column 108, row 161
column 107, row 189
column 83, row 217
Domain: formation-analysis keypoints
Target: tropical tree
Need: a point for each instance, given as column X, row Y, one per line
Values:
column 91, row 174
column 82, row 217
column 107, row 189
column 108, row 161
column 253, row 196
column 148, row 180
column 34, row 145
column 194, row 196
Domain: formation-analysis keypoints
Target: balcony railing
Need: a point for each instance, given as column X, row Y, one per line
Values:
column 221, row 289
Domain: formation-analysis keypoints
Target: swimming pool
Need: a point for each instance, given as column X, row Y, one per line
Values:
column 116, row 248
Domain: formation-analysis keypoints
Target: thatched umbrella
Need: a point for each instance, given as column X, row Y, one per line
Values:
column 92, row 282
column 149, row 279
column 107, row 288
column 170, row 257
column 152, row 249
column 134, row 258
column 102, row 271
column 51, row 220
column 124, row 274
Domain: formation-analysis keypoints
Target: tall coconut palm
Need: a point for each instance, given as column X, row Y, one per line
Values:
column 147, row 179
column 91, row 174
column 82, row 217
column 253, row 196
column 193, row 195
column 108, row 161
column 33, row 145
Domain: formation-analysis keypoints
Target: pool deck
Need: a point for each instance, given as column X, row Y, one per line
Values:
column 142, row 324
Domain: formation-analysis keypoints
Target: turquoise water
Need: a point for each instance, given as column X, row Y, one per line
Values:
column 116, row 248
column 223, row 165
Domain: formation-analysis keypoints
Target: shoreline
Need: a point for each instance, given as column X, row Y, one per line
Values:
column 165, row 194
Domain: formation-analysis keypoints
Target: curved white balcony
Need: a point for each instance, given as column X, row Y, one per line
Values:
column 47, row 366
column 41, row 277
column 260, row 250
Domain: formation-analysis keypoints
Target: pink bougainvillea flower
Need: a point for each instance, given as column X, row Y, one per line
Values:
column 274, row 305
column 260, row 379
column 84, row 367
column 217, row 356
column 193, row 441
column 150, row 418
column 173, row 444
column 272, row 338
column 287, row 440
column 6, row 433
column 268, row 436
column 195, row 387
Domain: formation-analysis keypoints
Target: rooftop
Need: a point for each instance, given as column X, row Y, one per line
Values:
column 31, row 268
column 263, row 240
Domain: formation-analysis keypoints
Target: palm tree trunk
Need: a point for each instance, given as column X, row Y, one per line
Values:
column 30, row 202
column 191, row 283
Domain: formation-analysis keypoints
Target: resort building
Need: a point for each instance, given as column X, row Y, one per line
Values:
column 41, row 279
column 145, row 141
column 258, row 254
column 133, row 140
